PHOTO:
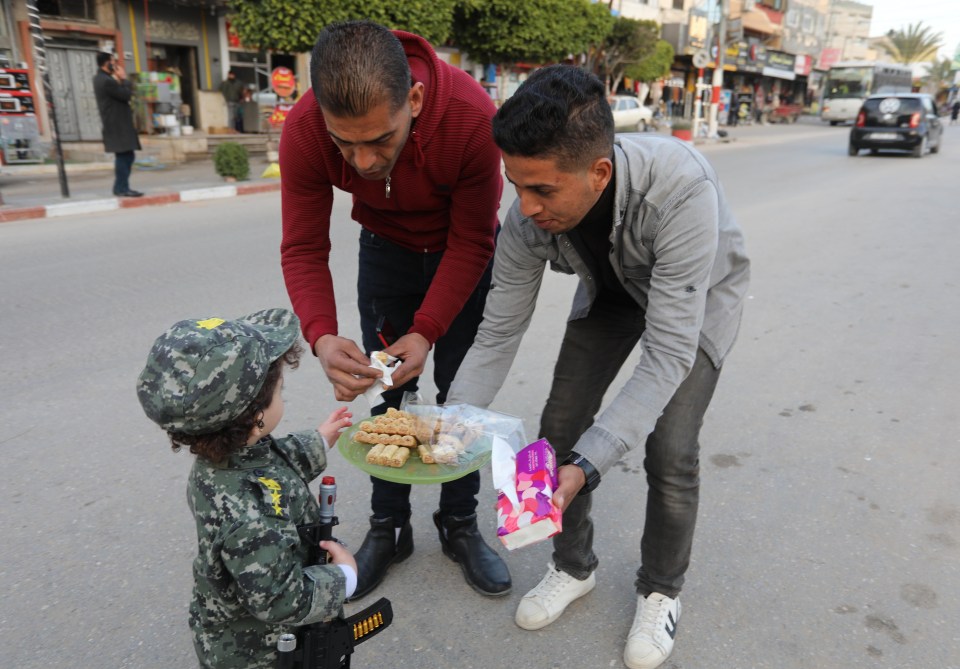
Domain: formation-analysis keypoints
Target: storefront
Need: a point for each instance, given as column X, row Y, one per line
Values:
column 252, row 66
column 173, row 54
column 780, row 76
column 758, row 80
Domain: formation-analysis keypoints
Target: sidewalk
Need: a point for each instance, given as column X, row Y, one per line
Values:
column 33, row 191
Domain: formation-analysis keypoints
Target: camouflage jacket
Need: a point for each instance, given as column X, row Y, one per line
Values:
column 250, row 580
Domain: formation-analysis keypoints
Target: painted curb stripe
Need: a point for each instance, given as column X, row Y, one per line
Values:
column 215, row 193
column 112, row 204
column 88, row 207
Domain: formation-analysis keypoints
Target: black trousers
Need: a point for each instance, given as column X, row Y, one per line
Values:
column 391, row 284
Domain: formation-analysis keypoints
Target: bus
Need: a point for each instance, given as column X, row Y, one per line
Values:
column 848, row 84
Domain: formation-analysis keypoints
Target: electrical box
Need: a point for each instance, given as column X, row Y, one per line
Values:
column 19, row 129
column 20, row 140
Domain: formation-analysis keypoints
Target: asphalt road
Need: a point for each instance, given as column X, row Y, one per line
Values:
column 829, row 531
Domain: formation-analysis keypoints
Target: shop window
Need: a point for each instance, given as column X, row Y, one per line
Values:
column 678, row 4
column 776, row 5
column 68, row 9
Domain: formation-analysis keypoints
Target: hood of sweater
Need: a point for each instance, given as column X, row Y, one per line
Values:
column 426, row 67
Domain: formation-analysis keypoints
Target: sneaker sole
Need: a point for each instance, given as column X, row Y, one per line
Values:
column 640, row 664
column 552, row 619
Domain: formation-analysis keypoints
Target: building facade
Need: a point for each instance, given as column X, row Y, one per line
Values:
column 847, row 34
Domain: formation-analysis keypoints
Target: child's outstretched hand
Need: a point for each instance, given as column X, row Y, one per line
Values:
column 338, row 420
column 339, row 554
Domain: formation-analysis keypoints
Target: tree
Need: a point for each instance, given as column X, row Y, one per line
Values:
column 506, row 32
column 939, row 75
column 602, row 21
column 653, row 68
column 914, row 44
column 277, row 25
column 628, row 42
column 292, row 26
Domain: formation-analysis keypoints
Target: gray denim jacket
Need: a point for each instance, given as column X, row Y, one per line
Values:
column 677, row 250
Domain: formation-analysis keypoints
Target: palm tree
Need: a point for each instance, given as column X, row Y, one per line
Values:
column 913, row 45
column 939, row 74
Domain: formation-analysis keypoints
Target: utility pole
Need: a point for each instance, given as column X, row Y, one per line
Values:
column 718, row 70
column 40, row 57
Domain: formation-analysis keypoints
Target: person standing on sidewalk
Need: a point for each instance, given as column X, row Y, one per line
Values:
column 113, row 92
column 409, row 137
column 642, row 221
column 231, row 89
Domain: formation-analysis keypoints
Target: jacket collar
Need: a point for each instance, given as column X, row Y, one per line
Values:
column 621, row 174
column 249, row 457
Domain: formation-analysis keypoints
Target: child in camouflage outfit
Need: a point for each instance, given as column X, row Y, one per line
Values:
column 214, row 386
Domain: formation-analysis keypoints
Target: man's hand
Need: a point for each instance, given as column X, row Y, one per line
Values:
column 346, row 366
column 119, row 71
column 570, row 478
column 412, row 348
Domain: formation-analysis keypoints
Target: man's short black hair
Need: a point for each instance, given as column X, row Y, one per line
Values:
column 357, row 65
column 561, row 112
column 103, row 58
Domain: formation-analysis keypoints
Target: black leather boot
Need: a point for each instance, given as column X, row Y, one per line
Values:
column 380, row 549
column 484, row 570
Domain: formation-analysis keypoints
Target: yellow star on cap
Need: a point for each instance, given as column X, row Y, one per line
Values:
column 211, row 323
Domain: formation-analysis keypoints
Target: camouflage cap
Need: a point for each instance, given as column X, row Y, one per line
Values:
column 202, row 374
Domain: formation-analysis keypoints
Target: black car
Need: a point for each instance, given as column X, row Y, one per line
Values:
column 902, row 121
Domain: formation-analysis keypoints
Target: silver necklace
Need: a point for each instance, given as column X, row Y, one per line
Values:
column 387, row 187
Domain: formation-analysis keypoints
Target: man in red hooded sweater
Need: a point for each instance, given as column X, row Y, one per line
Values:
column 409, row 136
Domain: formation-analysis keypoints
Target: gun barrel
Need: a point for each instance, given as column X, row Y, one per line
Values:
column 286, row 644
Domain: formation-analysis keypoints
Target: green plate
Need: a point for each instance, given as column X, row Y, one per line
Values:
column 415, row 471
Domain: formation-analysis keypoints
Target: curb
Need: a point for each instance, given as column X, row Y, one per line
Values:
column 114, row 203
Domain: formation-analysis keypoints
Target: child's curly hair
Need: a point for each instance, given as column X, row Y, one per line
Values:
column 219, row 445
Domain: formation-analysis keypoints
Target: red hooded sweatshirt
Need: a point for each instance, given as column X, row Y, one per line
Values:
column 444, row 196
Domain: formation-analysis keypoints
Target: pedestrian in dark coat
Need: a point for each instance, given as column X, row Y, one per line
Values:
column 113, row 91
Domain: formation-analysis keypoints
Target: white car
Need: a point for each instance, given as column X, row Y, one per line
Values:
column 629, row 115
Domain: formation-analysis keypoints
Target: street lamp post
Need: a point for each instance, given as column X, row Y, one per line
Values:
column 40, row 56
column 718, row 70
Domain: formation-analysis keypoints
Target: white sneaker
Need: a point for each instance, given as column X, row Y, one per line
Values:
column 650, row 641
column 544, row 604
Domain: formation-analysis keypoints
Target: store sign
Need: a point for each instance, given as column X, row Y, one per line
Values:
column 283, row 82
column 803, row 66
column 747, row 57
column 279, row 114
column 164, row 29
column 780, row 65
column 233, row 40
column 734, row 30
column 828, row 57
column 698, row 29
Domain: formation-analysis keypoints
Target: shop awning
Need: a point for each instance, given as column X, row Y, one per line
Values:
column 758, row 21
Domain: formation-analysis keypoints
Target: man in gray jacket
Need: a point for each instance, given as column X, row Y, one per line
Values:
column 643, row 223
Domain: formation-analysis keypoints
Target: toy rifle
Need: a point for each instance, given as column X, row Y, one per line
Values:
column 329, row 645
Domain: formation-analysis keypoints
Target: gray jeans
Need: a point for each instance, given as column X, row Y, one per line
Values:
column 593, row 351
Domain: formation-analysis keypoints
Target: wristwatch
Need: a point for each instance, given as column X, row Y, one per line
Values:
column 591, row 473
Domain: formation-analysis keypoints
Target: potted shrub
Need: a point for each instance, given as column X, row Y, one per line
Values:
column 682, row 129
column 231, row 161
